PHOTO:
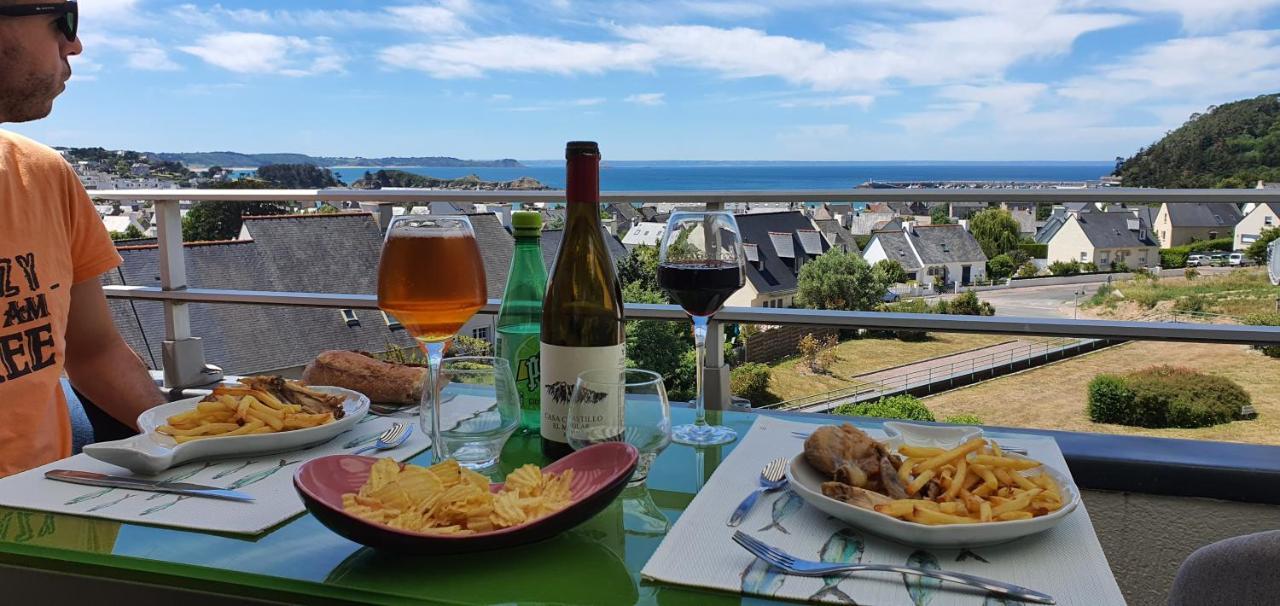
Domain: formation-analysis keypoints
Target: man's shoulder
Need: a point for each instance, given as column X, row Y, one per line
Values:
column 27, row 151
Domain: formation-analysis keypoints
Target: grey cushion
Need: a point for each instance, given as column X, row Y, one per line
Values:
column 1240, row 571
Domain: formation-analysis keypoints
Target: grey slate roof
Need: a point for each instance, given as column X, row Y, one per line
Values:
column 810, row 241
column 551, row 244
column 1210, row 214
column 836, row 235
column 772, row 273
column 894, row 243
column 752, row 251
column 864, row 223
column 950, row 243
column 625, row 211
column 1111, row 230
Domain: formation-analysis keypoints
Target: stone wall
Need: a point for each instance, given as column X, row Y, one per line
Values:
column 781, row 341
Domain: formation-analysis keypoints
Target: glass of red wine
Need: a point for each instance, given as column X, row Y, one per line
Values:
column 701, row 265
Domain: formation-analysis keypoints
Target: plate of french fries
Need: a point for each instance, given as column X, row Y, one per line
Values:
column 235, row 420
column 936, row 486
column 445, row 508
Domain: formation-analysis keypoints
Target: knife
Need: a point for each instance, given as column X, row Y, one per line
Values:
column 97, row 479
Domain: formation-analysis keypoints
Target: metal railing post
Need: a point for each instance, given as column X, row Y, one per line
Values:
column 715, row 373
column 182, row 354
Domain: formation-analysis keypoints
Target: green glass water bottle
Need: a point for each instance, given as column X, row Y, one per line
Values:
column 520, row 317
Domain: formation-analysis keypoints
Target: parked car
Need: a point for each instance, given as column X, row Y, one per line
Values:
column 1237, row 259
column 1197, row 260
column 1218, row 259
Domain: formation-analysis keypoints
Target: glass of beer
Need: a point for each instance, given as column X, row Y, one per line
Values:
column 431, row 279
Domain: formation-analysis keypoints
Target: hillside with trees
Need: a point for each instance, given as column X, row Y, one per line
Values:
column 237, row 159
column 1230, row 145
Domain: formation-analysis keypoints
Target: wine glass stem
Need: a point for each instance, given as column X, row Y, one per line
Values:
column 435, row 352
column 700, row 348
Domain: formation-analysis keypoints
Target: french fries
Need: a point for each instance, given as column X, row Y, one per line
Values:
column 979, row 483
column 237, row 411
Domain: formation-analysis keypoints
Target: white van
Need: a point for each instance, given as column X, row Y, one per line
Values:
column 1237, row 259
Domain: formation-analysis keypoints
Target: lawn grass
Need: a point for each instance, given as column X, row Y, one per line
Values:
column 860, row 356
column 1238, row 293
column 1054, row 396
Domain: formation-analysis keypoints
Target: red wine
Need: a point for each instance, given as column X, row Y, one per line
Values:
column 701, row 288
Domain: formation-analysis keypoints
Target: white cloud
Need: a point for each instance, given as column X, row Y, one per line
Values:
column 861, row 101
column 1197, row 15
column 937, row 119
column 562, row 104
column 588, row 102
column 646, row 98
column 1003, row 98
column 727, row 10
column 474, row 56
column 140, row 53
column 1200, row 69
column 254, row 53
column 443, row 17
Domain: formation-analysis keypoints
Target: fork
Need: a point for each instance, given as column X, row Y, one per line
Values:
column 808, row 568
column 772, row 478
column 391, row 438
column 1014, row 449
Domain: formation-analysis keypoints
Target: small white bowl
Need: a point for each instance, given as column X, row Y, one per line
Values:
column 150, row 452
column 807, row 482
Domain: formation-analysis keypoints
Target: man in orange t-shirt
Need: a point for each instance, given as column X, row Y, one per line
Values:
column 53, row 248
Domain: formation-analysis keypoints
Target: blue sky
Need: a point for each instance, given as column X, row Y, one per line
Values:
column 660, row 79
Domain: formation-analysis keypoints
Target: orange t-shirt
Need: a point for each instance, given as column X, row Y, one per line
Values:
column 50, row 238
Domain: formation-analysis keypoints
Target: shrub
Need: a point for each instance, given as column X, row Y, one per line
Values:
column 891, row 271
column 1089, row 268
column 1000, row 267
column 827, row 357
column 468, row 346
column 1064, row 268
column 1035, row 251
column 1215, row 245
column 1165, row 396
column 809, row 346
column 1109, row 399
column 1173, row 257
column 894, row 407
column 1258, row 250
column 1191, row 273
column 963, row 419
column 967, row 304
column 909, row 306
column 1266, row 319
column 1119, row 266
column 751, row 381
column 1028, row 270
column 1190, row 303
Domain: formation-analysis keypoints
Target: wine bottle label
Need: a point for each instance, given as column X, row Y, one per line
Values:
column 560, row 369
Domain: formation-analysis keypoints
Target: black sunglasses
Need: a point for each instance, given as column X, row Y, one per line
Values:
column 68, row 14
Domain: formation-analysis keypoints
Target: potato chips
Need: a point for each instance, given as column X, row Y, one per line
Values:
column 447, row 498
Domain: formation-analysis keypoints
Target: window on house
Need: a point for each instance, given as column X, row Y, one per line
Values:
column 349, row 316
column 392, row 322
column 1268, row 220
column 1084, row 255
column 481, row 333
column 1213, row 234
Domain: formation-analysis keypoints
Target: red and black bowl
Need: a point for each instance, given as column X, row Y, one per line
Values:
column 600, row 472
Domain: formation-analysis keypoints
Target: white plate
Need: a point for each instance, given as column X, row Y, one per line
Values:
column 807, row 482
column 150, row 452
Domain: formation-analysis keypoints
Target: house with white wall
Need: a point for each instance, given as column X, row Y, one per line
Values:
column 1263, row 216
column 777, row 246
column 1178, row 224
column 943, row 254
column 1105, row 239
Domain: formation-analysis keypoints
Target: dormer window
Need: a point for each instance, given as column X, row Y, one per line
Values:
column 392, row 323
column 349, row 316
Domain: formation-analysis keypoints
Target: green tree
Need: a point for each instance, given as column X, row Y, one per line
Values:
column 890, row 271
column 939, row 215
column 751, row 381
column 1258, row 250
column 327, row 209
column 996, row 231
column 840, row 281
column 663, row 347
column 297, row 176
column 641, row 267
column 208, row 221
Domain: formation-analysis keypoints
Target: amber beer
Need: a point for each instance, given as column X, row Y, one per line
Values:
column 432, row 284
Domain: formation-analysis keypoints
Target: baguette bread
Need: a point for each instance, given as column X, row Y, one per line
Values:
column 358, row 371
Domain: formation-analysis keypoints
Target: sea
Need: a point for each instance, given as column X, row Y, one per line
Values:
column 686, row 176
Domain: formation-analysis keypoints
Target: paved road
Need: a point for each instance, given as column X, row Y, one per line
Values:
column 1039, row 301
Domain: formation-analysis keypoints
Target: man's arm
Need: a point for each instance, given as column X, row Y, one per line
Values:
column 100, row 364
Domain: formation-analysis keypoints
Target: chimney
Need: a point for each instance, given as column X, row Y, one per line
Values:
column 1133, row 224
column 909, row 227
column 381, row 213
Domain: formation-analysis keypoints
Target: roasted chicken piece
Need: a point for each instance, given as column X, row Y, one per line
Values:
column 858, row 497
column 851, row 457
column 294, row 392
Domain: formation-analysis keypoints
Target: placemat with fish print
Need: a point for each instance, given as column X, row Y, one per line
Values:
column 1066, row 562
column 267, row 478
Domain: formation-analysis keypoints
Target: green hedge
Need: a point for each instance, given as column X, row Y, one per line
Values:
column 751, row 381
column 1035, row 251
column 895, row 407
column 1165, row 396
column 1175, row 257
column 1265, row 319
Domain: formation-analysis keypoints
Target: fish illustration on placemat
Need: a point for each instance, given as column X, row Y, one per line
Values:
column 844, row 547
column 762, row 578
column 225, row 473
column 111, row 504
column 180, row 477
column 995, row 600
column 261, row 475
column 921, row 589
column 163, row 506
column 90, row 495
column 783, row 506
column 966, row 554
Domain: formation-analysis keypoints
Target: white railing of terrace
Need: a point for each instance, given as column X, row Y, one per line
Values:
column 184, row 363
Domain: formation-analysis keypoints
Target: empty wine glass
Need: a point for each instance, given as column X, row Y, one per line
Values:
column 621, row 406
column 701, row 265
column 479, row 409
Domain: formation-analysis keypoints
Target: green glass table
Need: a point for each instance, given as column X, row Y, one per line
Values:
column 301, row 561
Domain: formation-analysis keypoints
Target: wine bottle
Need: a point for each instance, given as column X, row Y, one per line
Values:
column 520, row 317
column 582, row 325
